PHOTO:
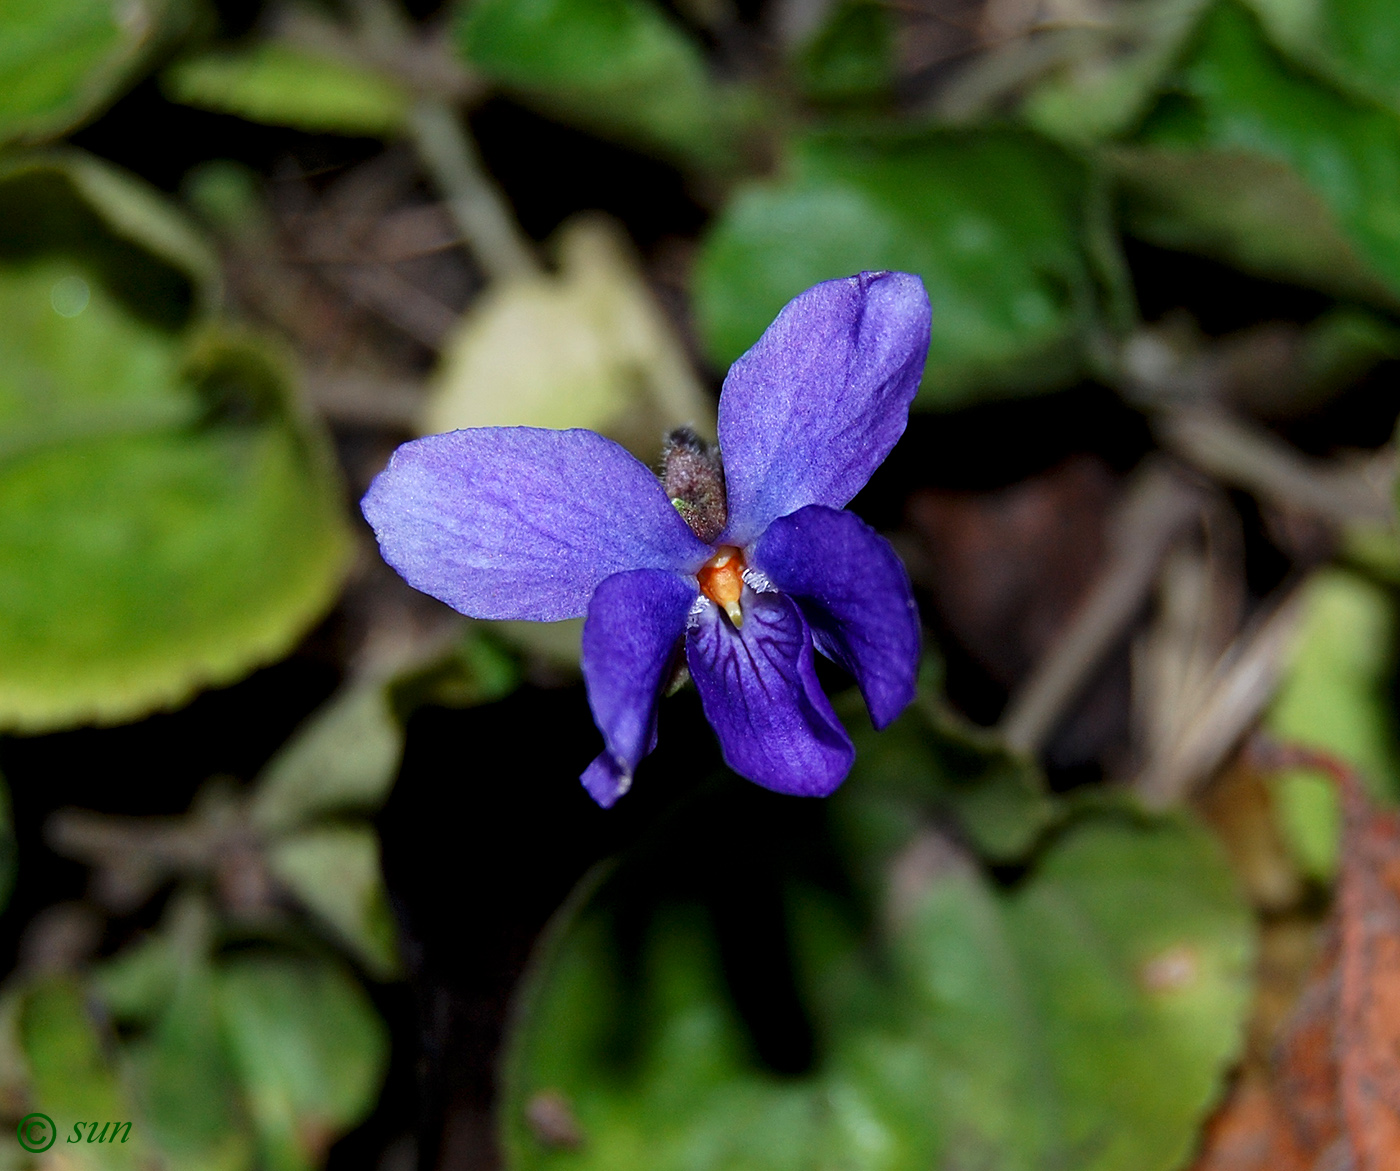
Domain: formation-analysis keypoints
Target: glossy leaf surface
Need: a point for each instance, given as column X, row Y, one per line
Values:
column 1083, row 1019
column 994, row 224
column 1251, row 159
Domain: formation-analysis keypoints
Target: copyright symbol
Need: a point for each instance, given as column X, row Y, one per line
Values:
column 36, row 1132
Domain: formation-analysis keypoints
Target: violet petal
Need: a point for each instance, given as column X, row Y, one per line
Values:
column 522, row 522
column 853, row 591
column 816, row 405
column 634, row 625
column 758, row 686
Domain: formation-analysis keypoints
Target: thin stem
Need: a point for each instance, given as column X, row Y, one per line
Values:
column 476, row 204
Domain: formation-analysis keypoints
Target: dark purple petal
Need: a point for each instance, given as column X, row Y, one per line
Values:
column 813, row 409
column 634, row 625
column 521, row 522
column 759, row 689
column 854, row 592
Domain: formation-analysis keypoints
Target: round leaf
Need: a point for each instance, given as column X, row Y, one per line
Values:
column 993, row 222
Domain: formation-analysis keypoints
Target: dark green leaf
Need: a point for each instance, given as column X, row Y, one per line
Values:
column 1250, row 159
column 620, row 66
column 61, row 61
column 994, row 222
column 307, row 1048
column 851, row 58
column 1355, row 42
column 1083, row 1020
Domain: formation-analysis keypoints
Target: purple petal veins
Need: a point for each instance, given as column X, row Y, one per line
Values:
column 521, row 522
column 816, row 405
column 759, row 689
column 634, row 625
column 853, row 591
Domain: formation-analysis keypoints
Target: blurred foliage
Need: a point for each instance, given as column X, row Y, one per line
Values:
column 622, row 67
column 996, row 223
column 60, row 63
column 992, row 975
column 146, row 453
column 1082, row 1018
column 288, row 86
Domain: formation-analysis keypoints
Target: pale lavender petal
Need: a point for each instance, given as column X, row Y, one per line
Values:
column 814, row 408
column 854, row 592
column 630, row 639
column 758, row 686
column 521, row 522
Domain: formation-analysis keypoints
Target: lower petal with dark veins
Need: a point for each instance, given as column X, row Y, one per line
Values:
column 759, row 689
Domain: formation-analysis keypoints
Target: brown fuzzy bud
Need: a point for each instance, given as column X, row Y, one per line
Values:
column 693, row 476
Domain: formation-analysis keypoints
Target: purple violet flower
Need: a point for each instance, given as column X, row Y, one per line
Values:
column 749, row 565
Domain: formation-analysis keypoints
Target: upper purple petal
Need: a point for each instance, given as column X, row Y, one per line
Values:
column 521, row 522
column 814, row 408
column 630, row 638
column 854, row 592
column 759, row 689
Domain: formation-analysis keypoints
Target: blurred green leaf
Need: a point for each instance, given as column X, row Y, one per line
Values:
column 1251, row 160
column 308, row 1049
column 184, row 1083
column 345, row 757
column 167, row 522
column 71, row 1078
column 334, row 870
column 995, row 222
column 929, row 765
column 1106, row 70
column 169, row 519
column 586, row 347
column 851, row 57
column 284, row 85
column 1355, row 42
column 69, row 203
column 61, row 61
column 622, row 67
column 1084, row 1019
column 1335, row 697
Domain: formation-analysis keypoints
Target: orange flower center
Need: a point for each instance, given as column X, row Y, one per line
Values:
column 722, row 581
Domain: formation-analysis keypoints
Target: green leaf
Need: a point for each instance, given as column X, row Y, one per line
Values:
column 147, row 252
column 586, row 347
column 62, row 61
column 185, row 1084
column 621, row 67
column 1355, row 42
column 71, row 1079
column 1083, row 1020
column 308, row 1049
column 167, row 522
column 851, row 57
column 169, row 518
column 928, row 765
column 1250, row 159
column 345, row 757
column 335, row 872
column 284, row 85
column 995, row 223
column 1336, row 698
column 1107, row 70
